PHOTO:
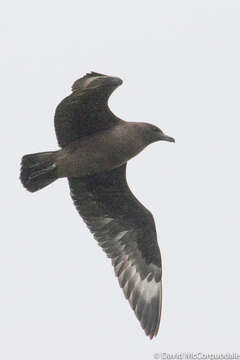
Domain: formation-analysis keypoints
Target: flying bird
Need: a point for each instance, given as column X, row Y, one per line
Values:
column 95, row 146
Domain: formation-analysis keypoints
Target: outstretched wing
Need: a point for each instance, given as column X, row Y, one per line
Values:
column 85, row 111
column 125, row 230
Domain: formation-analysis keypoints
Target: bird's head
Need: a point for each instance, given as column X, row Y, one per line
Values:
column 94, row 81
column 152, row 133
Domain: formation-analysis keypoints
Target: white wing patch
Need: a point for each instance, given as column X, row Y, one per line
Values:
column 148, row 289
column 88, row 81
column 84, row 82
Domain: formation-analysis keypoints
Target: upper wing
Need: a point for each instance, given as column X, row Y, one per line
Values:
column 85, row 111
column 125, row 230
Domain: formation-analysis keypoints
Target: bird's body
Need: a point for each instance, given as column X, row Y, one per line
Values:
column 103, row 151
column 95, row 147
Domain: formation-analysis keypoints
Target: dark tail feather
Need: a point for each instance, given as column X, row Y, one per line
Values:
column 38, row 170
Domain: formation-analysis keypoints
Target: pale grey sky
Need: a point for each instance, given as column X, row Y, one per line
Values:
column 180, row 62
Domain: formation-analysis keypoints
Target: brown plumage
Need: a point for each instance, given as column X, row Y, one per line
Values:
column 95, row 148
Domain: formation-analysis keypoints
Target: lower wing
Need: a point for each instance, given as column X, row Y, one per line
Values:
column 125, row 230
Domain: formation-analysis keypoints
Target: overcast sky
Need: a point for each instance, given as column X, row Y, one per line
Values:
column 180, row 63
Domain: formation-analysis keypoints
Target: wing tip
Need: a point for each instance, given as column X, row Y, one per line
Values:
column 147, row 312
column 153, row 328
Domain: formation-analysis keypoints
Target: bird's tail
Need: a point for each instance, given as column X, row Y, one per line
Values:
column 38, row 170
